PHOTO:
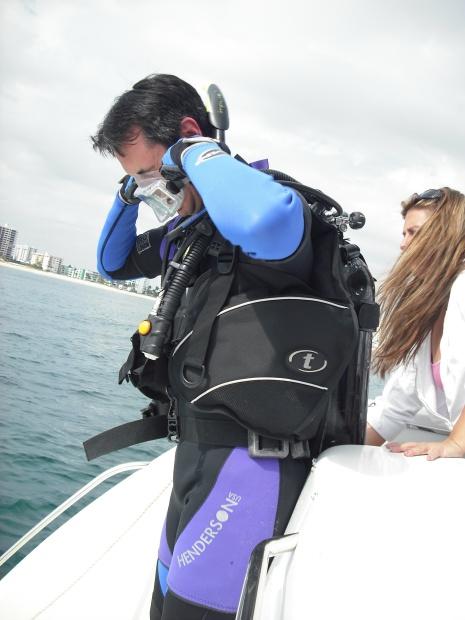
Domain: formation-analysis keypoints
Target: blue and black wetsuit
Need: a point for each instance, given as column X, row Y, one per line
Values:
column 223, row 502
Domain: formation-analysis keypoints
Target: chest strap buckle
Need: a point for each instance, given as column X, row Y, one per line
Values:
column 266, row 447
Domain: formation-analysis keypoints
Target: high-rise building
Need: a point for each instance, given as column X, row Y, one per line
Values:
column 23, row 253
column 37, row 258
column 51, row 263
column 7, row 241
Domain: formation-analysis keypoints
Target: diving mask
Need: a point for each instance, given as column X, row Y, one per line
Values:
column 154, row 192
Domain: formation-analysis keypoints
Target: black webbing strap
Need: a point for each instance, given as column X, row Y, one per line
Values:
column 213, row 432
column 368, row 316
column 198, row 343
column 126, row 435
column 230, row 434
column 129, row 363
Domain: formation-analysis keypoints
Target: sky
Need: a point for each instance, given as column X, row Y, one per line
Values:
column 361, row 99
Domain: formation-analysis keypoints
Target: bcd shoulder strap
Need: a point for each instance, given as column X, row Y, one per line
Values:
column 194, row 364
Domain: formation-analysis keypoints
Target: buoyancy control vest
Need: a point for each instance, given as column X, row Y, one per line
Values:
column 259, row 352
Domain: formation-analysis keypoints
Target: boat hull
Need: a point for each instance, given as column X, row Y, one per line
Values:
column 376, row 535
column 101, row 563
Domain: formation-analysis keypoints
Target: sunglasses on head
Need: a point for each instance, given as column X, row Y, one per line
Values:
column 430, row 194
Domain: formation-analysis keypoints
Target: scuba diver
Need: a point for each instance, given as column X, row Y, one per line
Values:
column 247, row 345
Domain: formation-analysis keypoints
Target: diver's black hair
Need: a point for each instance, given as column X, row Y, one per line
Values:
column 156, row 104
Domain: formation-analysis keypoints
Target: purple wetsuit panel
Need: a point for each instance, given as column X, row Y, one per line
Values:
column 211, row 554
column 170, row 226
column 261, row 164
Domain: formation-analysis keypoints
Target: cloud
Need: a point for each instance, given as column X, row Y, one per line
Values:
column 363, row 100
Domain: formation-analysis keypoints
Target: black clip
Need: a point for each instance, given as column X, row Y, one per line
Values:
column 194, row 380
column 173, row 426
column 300, row 449
column 265, row 447
column 150, row 410
column 349, row 252
column 226, row 259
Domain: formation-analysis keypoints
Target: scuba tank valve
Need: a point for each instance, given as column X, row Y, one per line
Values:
column 355, row 220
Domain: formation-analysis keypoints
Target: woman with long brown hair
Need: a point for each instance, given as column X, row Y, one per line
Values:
column 421, row 342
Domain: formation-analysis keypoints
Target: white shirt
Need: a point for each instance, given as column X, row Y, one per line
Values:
column 410, row 396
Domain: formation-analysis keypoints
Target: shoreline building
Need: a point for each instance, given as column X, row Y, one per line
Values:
column 147, row 286
column 23, row 253
column 37, row 258
column 7, row 241
column 93, row 276
column 51, row 263
column 73, row 272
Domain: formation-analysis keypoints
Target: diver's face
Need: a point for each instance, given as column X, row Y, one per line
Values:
column 414, row 220
column 143, row 158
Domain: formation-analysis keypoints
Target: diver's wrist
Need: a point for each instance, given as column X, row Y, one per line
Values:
column 127, row 189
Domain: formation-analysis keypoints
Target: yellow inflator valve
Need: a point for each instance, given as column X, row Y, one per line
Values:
column 144, row 328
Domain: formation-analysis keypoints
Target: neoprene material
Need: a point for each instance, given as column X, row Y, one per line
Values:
column 254, row 218
column 117, row 238
column 261, row 216
column 215, row 519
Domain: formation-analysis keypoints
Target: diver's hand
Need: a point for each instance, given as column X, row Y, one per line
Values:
column 432, row 449
column 172, row 161
column 127, row 189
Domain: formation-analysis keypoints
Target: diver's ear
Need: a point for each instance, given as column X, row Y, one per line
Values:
column 189, row 127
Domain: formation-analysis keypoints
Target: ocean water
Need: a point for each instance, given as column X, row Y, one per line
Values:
column 62, row 344
column 61, row 347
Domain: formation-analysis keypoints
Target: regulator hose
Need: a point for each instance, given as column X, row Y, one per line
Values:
column 152, row 345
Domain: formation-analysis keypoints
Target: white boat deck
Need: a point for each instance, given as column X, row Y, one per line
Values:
column 378, row 535
column 101, row 563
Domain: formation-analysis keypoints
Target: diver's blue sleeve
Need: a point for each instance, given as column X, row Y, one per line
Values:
column 117, row 238
column 248, row 207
